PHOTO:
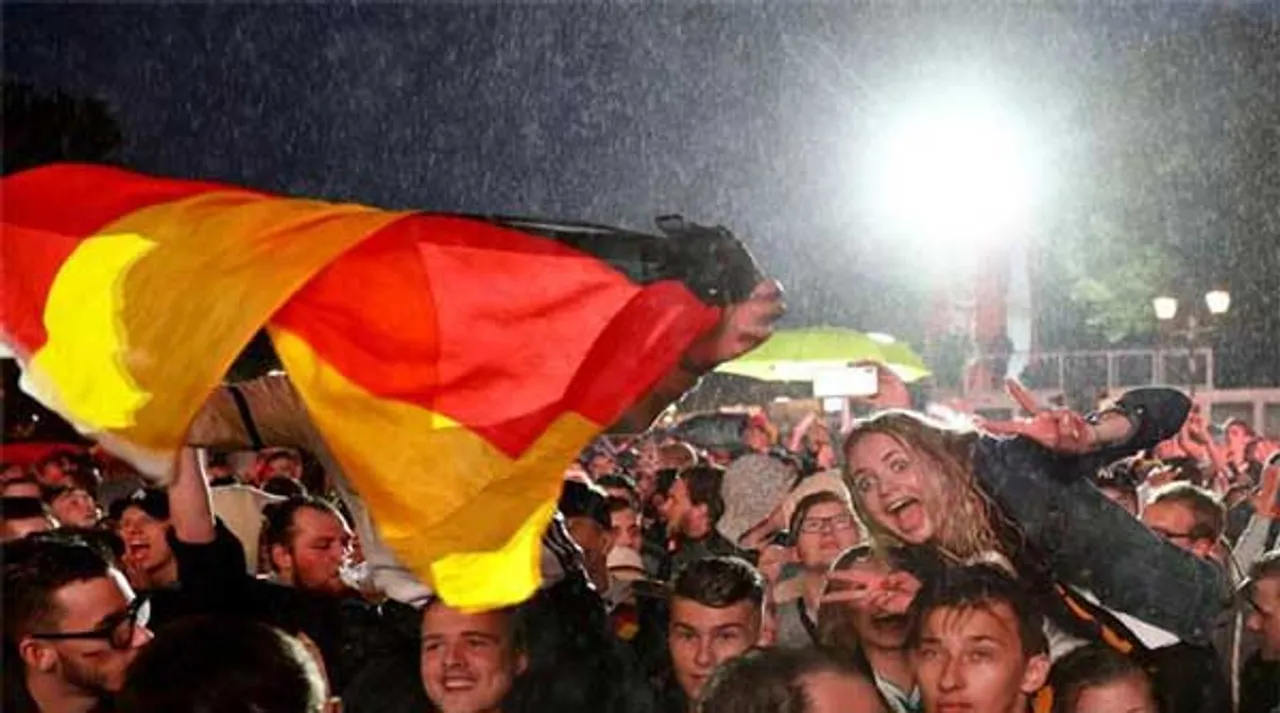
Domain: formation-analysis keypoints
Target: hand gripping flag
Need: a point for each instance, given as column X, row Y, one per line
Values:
column 453, row 367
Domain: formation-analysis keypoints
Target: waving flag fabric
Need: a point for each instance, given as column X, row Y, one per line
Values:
column 453, row 367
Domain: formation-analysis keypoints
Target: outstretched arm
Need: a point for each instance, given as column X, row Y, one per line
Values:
column 1090, row 542
column 743, row 327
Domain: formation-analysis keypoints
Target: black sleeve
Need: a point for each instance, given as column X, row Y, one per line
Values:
column 1157, row 414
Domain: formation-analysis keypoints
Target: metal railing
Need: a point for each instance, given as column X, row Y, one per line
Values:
column 1116, row 369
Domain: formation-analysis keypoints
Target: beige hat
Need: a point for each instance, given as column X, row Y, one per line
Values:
column 625, row 564
column 826, row 481
column 753, row 486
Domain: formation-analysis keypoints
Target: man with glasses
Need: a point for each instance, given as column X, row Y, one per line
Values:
column 1260, row 677
column 1189, row 517
column 822, row 527
column 72, row 626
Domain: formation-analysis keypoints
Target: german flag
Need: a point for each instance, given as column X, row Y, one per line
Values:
column 454, row 367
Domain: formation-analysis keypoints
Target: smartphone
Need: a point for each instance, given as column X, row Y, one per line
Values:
column 847, row 382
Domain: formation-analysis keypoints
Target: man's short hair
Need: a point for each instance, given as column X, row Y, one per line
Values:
column 35, row 569
column 704, row 483
column 978, row 587
column 1265, row 567
column 770, row 681
column 620, row 482
column 223, row 664
column 719, row 582
column 1086, row 667
column 577, row 499
column 279, row 529
column 1206, row 509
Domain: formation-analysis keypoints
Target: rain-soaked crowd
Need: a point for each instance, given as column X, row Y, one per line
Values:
column 1122, row 561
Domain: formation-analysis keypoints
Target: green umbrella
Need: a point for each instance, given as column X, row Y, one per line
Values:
column 800, row 354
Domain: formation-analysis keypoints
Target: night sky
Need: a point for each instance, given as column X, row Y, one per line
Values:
column 747, row 114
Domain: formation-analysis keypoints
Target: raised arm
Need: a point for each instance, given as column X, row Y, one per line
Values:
column 1090, row 542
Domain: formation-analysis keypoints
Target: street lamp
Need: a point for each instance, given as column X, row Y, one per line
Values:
column 1166, row 308
column 1218, row 301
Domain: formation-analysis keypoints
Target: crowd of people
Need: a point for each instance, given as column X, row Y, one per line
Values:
column 1125, row 560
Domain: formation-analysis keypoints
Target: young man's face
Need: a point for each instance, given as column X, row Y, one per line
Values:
column 146, row 543
column 1264, row 617
column 93, row 665
column 1174, row 521
column 700, row 638
column 972, row 660
column 626, row 529
column 826, row 530
column 76, row 507
column 313, row 561
column 469, row 661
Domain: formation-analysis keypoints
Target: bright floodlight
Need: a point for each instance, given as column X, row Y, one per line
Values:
column 1218, row 301
column 1166, row 308
column 955, row 171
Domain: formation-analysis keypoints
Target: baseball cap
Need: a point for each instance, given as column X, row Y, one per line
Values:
column 753, row 486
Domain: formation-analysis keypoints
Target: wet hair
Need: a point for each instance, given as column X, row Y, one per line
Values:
column 1265, row 567
column 35, row 570
column 972, row 520
column 620, row 482
column 283, row 486
column 704, row 483
column 771, row 681
column 810, row 501
column 1206, row 509
column 1087, row 667
column 719, row 582
column 978, row 587
column 223, row 665
column 578, row 499
column 279, row 529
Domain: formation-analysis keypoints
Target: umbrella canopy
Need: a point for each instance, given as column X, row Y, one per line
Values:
column 801, row 354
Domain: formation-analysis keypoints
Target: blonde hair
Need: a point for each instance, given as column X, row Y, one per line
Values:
column 966, row 517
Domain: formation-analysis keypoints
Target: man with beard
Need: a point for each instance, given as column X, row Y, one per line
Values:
column 72, row 626
column 308, row 541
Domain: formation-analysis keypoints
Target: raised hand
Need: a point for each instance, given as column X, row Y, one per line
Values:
column 1061, row 430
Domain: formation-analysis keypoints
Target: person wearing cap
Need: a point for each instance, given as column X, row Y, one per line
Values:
column 754, row 490
column 142, row 521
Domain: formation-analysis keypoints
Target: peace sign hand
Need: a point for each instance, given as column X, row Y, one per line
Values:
column 1061, row 430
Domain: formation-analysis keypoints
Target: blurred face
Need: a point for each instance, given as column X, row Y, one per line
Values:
column 676, row 507
column 313, row 561
column 701, row 638
column 468, row 660
column 878, row 617
column 25, row 489
column 626, row 529
column 595, row 542
column 1174, row 521
column 971, row 660
column 601, row 464
column 1131, row 694
column 146, row 546
column 1123, row 498
column 826, row 530
column 756, row 439
column 16, row 528
column 92, row 665
column 830, row 692
column 54, row 473
column 10, row 472
column 1237, row 436
column 77, row 508
column 283, row 466
column 1264, row 616
column 895, row 486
